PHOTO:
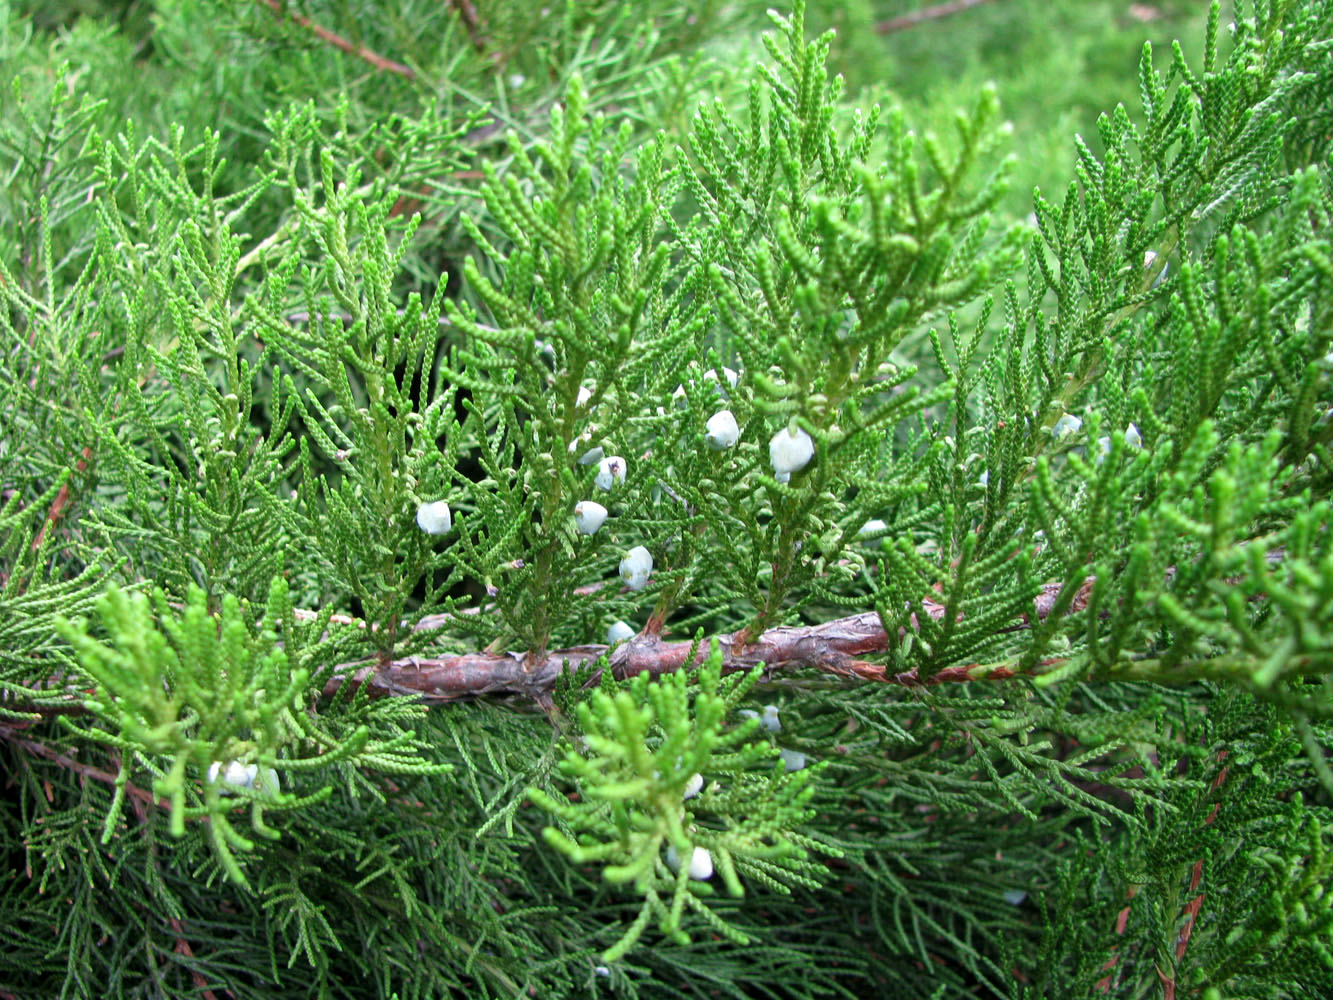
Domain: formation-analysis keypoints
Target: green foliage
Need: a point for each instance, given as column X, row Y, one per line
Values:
column 31, row 592
column 824, row 264
column 582, row 293
column 808, row 259
column 1236, row 349
column 1206, row 854
column 311, row 270
column 202, row 695
column 660, row 771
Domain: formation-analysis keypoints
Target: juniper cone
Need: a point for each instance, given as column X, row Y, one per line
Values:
column 562, row 499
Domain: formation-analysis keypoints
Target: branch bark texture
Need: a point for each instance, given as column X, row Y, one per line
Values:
column 916, row 17
column 836, row 647
column 339, row 42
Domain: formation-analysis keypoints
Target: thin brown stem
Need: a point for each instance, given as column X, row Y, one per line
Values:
column 916, row 17
column 1121, row 922
column 467, row 13
column 1192, row 908
column 82, row 769
column 61, row 501
column 183, row 948
column 339, row 42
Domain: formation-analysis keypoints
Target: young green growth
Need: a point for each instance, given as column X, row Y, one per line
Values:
column 636, row 761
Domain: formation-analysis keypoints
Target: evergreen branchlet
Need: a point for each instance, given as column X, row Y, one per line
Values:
column 384, row 386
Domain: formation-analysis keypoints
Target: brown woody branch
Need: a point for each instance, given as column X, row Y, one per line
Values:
column 61, row 501
column 467, row 13
column 339, row 42
column 84, row 770
column 836, row 647
column 905, row 21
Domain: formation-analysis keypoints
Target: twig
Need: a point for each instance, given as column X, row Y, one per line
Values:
column 1121, row 922
column 1190, row 911
column 60, row 502
column 86, row 770
column 905, row 21
column 337, row 41
column 346, row 319
column 467, row 13
column 835, row 647
column 1192, row 908
column 183, row 948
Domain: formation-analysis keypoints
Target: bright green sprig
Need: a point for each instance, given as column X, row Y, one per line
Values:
column 657, row 768
column 206, row 696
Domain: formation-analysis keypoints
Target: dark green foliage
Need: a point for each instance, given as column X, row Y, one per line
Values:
column 277, row 280
column 1208, row 843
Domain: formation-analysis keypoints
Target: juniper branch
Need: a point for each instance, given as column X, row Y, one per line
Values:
column 833, row 646
column 467, row 13
column 183, row 948
column 61, row 501
column 836, row 647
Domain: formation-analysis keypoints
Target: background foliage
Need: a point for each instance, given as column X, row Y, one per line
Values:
column 267, row 290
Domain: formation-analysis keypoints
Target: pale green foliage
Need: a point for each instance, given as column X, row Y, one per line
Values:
column 183, row 693
column 633, row 758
